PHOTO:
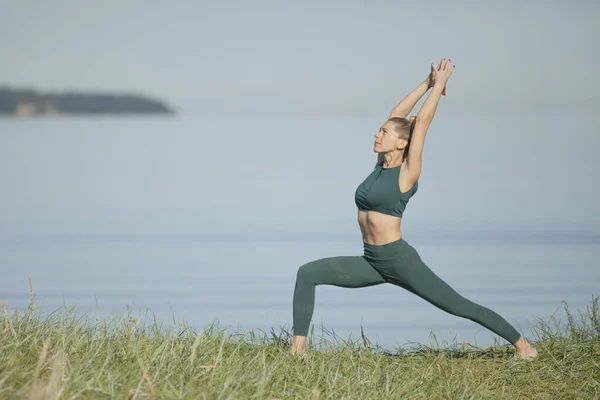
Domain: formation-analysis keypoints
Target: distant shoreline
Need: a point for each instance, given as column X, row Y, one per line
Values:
column 33, row 103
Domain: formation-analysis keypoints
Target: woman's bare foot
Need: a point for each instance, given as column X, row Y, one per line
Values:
column 524, row 349
column 298, row 345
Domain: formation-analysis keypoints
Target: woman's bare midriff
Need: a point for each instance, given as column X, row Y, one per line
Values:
column 378, row 228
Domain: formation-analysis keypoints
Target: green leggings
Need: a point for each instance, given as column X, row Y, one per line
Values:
column 397, row 263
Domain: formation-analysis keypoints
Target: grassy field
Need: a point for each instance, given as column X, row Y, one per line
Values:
column 62, row 355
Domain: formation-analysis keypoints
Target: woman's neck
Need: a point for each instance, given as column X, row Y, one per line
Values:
column 391, row 161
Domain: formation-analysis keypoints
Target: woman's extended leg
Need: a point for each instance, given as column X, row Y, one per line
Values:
column 343, row 271
column 410, row 272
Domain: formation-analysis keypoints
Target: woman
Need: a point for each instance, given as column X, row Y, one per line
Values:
column 381, row 199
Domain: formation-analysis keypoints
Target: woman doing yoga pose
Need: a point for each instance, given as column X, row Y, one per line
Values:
column 381, row 199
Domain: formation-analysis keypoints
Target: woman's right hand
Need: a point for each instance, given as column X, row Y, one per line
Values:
column 440, row 74
column 431, row 80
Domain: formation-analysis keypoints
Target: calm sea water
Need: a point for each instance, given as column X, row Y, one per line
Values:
column 208, row 221
column 248, row 285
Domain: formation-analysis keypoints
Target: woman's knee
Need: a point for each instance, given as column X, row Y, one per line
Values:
column 460, row 306
column 307, row 271
column 435, row 290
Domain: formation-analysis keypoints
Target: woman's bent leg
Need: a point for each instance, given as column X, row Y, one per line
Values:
column 411, row 272
column 342, row 271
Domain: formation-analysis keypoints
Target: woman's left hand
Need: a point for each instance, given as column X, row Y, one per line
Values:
column 441, row 74
column 431, row 78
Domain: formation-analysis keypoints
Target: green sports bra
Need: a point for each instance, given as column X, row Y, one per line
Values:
column 380, row 192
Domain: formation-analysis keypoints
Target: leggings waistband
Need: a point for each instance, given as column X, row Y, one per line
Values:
column 386, row 251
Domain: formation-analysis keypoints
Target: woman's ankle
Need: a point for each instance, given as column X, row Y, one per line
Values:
column 523, row 345
column 298, row 344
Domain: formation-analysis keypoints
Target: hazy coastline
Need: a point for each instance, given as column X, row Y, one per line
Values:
column 29, row 102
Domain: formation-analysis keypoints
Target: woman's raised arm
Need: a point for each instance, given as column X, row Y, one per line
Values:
column 424, row 118
column 408, row 103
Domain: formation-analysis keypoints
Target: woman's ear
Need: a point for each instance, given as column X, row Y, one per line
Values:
column 412, row 118
column 402, row 144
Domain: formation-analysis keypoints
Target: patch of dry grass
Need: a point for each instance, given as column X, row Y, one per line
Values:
column 64, row 356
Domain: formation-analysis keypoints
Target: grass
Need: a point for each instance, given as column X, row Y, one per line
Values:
column 62, row 355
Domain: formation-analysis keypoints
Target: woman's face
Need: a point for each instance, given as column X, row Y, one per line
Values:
column 387, row 139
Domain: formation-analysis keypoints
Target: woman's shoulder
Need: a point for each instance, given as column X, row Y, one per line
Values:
column 410, row 187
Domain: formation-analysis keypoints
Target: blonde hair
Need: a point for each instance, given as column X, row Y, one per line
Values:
column 404, row 128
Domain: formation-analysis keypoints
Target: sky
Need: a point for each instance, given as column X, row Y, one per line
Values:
column 516, row 137
column 307, row 59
